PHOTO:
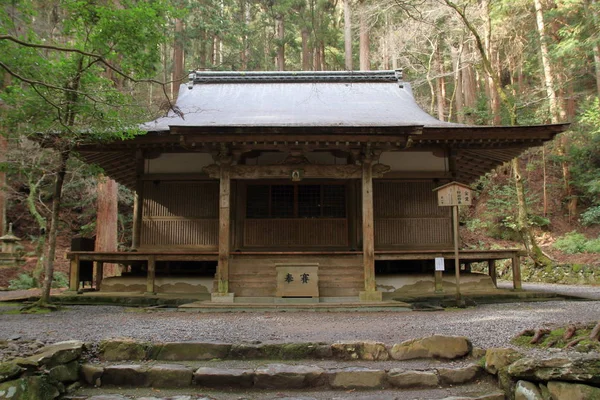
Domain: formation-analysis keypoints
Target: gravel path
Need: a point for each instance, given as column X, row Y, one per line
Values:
column 486, row 325
column 590, row 292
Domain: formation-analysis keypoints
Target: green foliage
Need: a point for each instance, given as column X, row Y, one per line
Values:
column 584, row 158
column 591, row 216
column 22, row 282
column 574, row 242
column 499, row 219
column 60, row 280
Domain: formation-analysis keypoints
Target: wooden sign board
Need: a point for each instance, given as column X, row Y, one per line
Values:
column 297, row 280
column 454, row 194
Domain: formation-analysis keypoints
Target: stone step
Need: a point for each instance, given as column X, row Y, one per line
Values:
column 476, row 391
column 440, row 347
column 277, row 375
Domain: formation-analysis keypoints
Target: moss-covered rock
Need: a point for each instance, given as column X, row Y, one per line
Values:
column 497, row 358
column 573, row 391
column 58, row 353
column 191, row 351
column 574, row 368
column 9, row 370
column 123, row 349
column 29, row 388
column 65, row 372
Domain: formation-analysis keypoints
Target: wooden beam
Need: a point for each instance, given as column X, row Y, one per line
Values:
column 138, row 201
column 151, row 276
column 99, row 274
column 285, row 171
column 516, row 270
column 367, row 227
column 74, row 274
column 224, row 229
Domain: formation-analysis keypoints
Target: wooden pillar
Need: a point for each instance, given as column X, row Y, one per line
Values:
column 138, row 201
column 222, row 277
column 492, row 271
column 99, row 274
column 370, row 293
column 151, row 276
column 516, row 270
column 74, row 274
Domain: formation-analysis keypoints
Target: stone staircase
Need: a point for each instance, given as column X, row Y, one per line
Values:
column 432, row 368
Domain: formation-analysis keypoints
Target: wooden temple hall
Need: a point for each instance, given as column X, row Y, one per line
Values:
column 315, row 185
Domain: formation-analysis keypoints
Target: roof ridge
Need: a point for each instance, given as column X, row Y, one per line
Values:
column 199, row 77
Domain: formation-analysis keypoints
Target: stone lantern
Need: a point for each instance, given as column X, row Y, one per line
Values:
column 9, row 241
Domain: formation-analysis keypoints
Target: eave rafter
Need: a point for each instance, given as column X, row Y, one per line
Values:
column 478, row 149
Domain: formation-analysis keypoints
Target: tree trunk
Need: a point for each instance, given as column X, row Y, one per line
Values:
column 317, row 58
column 280, row 28
column 348, row 35
column 177, row 58
column 107, row 220
column 54, row 220
column 456, row 53
column 547, row 65
column 364, row 42
column 440, row 85
column 523, row 227
column 306, row 58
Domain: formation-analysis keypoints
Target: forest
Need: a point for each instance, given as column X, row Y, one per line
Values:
column 74, row 71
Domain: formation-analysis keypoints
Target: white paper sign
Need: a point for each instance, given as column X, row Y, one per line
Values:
column 439, row 264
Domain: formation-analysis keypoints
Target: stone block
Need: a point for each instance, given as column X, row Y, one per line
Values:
column 58, row 353
column 219, row 378
column 191, row 351
column 369, row 350
column 527, row 391
column 497, row 358
column 283, row 376
column 435, row 346
column 123, row 349
column 572, row 391
column 573, row 368
column 222, row 297
column 169, row 376
column 370, row 296
column 132, row 375
column 298, row 351
column 357, row 378
column 65, row 372
column 245, row 352
column 457, row 376
column 91, row 374
column 408, row 379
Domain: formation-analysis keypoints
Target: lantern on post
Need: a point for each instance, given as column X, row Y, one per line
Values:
column 455, row 194
column 9, row 241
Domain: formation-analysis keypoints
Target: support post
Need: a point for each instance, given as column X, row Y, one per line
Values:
column 492, row 272
column 222, row 277
column 151, row 276
column 99, row 274
column 370, row 293
column 459, row 301
column 138, row 201
column 516, row 270
column 74, row 274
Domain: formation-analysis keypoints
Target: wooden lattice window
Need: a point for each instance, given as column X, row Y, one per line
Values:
column 296, row 201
